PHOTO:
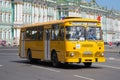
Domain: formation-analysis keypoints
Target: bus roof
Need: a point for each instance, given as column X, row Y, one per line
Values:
column 77, row 19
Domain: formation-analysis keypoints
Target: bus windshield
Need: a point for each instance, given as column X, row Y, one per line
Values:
column 75, row 33
column 93, row 33
column 82, row 33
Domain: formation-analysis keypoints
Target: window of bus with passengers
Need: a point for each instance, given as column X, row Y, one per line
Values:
column 57, row 32
column 75, row 33
column 93, row 33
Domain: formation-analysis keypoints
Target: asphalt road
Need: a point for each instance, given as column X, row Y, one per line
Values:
column 14, row 68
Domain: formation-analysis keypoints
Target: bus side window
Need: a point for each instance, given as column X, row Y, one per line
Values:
column 55, row 32
column 28, row 34
column 61, row 33
column 34, row 33
column 52, row 34
column 40, row 33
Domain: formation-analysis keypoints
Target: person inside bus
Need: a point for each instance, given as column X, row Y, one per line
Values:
column 92, row 35
column 40, row 34
column 80, row 33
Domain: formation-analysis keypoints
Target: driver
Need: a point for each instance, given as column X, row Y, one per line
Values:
column 92, row 35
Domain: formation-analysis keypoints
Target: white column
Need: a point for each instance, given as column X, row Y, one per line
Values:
column 55, row 14
column 2, row 17
column 15, row 33
column 23, row 18
column 35, row 18
column 5, row 35
column 6, row 18
column 9, row 35
column 30, row 17
column 41, row 10
column 21, row 11
column 37, row 14
column 18, row 10
column 32, row 13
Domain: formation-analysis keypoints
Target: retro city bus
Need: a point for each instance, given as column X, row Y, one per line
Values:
column 70, row 40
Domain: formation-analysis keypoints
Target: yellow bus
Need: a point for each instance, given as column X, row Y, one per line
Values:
column 70, row 40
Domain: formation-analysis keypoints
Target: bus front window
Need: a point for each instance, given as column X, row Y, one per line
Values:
column 75, row 33
column 93, row 33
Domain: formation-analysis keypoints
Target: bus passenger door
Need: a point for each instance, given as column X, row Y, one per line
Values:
column 22, row 54
column 47, row 44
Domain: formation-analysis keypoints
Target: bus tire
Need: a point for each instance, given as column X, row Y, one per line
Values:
column 87, row 64
column 29, row 56
column 54, row 59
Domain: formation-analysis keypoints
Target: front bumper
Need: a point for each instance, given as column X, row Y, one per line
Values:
column 79, row 60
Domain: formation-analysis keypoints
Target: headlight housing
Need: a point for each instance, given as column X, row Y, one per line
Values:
column 99, row 54
column 72, row 54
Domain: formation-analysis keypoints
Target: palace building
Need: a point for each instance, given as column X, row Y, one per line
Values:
column 16, row 13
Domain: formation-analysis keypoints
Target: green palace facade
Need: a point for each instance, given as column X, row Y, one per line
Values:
column 16, row 13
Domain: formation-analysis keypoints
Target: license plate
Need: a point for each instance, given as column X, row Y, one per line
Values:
column 87, row 52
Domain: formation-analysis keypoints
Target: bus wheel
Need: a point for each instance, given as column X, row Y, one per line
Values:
column 54, row 59
column 29, row 55
column 87, row 64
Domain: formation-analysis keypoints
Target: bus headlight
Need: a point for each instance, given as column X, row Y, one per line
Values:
column 71, row 54
column 99, row 54
column 102, row 54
